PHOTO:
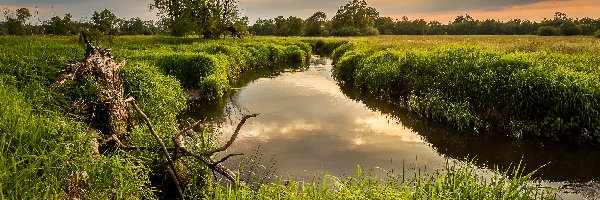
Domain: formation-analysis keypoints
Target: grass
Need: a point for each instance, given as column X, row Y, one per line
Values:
column 547, row 93
column 46, row 149
column 453, row 182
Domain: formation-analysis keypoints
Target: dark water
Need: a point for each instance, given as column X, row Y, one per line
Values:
column 309, row 124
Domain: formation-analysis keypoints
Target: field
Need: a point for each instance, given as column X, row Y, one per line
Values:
column 527, row 85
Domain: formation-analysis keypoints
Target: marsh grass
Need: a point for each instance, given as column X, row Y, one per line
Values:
column 454, row 181
column 551, row 94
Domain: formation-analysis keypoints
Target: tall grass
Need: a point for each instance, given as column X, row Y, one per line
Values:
column 540, row 93
column 453, row 182
column 47, row 156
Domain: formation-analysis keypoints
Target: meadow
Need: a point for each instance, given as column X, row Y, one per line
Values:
column 527, row 85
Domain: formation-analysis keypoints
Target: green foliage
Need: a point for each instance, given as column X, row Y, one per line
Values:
column 597, row 34
column 324, row 46
column 105, row 22
column 48, row 156
column 58, row 26
column 355, row 19
column 209, row 18
column 547, row 31
column 569, row 28
column 453, row 182
column 546, row 94
column 161, row 96
column 316, row 25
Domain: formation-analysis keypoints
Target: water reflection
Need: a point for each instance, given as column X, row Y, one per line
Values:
column 308, row 124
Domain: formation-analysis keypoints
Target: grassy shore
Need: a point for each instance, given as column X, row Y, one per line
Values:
column 46, row 134
column 549, row 89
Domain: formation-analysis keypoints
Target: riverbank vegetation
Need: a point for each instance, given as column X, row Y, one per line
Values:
column 524, row 91
column 48, row 134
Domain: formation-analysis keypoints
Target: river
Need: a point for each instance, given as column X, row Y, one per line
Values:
column 308, row 124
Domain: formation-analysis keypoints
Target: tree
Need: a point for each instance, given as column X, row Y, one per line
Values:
column 105, row 22
column 546, row 31
column 58, row 26
column 135, row 26
column 281, row 26
column 15, row 23
column 355, row 18
column 315, row 25
column 263, row 27
column 569, row 28
column 295, row 26
column 208, row 17
column 385, row 25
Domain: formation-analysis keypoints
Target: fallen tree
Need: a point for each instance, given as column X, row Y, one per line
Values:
column 99, row 63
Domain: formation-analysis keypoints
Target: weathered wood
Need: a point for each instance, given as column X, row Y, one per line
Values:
column 102, row 65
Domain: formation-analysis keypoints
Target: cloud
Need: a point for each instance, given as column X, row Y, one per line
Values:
column 304, row 8
column 533, row 11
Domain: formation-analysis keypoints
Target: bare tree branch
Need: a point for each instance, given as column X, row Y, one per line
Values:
column 172, row 171
column 233, row 137
column 227, row 157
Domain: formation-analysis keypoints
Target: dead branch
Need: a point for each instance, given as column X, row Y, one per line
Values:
column 233, row 137
column 172, row 170
column 182, row 151
column 227, row 157
column 144, row 148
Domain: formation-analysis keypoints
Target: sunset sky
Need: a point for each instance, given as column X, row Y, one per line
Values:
column 440, row 10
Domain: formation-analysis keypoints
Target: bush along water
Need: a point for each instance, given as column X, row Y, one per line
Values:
column 542, row 93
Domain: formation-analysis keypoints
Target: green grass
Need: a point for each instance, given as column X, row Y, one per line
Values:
column 453, row 182
column 46, row 149
column 552, row 94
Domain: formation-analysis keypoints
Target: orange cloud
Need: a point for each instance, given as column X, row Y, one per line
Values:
column 534, row 11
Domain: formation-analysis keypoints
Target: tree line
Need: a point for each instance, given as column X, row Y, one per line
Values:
column 17, row 23
column 214, row 18
column 356, row 19
column 209, row 18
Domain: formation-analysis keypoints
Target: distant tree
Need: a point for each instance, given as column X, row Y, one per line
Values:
column 105, row 22
column 263, row 27
column 295, row 26
column 281, row 26
column 15, row 23
column 436, row 28
column 463, row 25
column 58, row 26
column 135, row 26
column 208, row 17
column 569, row 28
column 355, row 18
column 385, row 25
column 546, row 31
column 316, row 25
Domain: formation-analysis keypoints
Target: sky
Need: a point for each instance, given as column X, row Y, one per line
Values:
column 439, row 10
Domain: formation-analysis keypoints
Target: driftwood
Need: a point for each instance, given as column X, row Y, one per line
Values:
column 101, row 64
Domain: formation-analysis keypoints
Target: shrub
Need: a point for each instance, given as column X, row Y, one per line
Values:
column 546, row 31
column 597, row 34
column 569, row 28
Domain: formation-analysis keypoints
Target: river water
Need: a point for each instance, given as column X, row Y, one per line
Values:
column 308, row 124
